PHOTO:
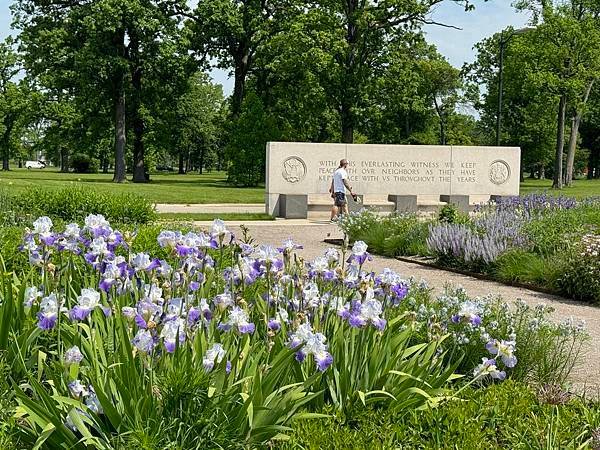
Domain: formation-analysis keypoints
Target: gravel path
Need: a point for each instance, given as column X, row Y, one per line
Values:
column 311, row 235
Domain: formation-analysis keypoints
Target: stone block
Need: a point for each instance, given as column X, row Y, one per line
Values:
column 498, row 198
column 404, row 203
column 460, row 201
column 355, row 206
column 293, row 206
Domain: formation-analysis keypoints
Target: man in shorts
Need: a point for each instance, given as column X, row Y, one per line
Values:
column 339, row 184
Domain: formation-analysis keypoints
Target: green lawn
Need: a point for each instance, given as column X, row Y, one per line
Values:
column 208, row 188
column 164, row 188
column 580, row 188
column 198, row 217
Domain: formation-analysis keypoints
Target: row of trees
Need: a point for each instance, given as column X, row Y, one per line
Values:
column 124, row 82
column 551, row 87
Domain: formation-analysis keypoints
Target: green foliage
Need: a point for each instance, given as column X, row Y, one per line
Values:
column 450, row 213
column 75, row 203
column 82, row 163
column 526, row 267
column 246, row 149
column 546, row 351
column 392, row 235
column 509, row 415
column 558, row 230
column 580, row 277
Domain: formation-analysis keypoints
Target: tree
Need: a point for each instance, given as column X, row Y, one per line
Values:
column 568, row 64
column 100, row 50
column 14, row 102
column 248, row 135
column 231, row 32
column 200, row 118
column 364, row 30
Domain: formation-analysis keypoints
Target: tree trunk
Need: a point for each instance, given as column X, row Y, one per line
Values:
column 181, row 170
column 542, row 172
column 64, row 160
column 104, row 163
column 120, row 112
column 242, row 65
column 575, row 122
column 5, row 151
column 347, row 123
column 139, row 168
column 557, row 182
column 202, row 150
column 120, row 134
column 438, row 110
column 20, row 163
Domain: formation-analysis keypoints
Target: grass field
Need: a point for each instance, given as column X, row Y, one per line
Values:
column 209, row 188
column 198, row 217
column 167, row 188
column 580, row 188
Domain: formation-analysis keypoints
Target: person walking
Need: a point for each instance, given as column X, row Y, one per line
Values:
column 339, row 184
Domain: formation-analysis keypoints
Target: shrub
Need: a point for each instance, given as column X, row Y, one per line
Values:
column 356, row 223
column 450, row 213
column 581, row 274
column 526, row 267
column 82, row 163
column 392, row 235
column 12, row 213
column 546, row 351
column 508, row 415
column 75, row 203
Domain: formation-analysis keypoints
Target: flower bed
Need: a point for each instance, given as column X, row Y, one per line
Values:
column 222, row 341
column 536, row 240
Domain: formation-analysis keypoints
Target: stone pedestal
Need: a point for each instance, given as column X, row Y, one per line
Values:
column 293, row 206
column 404, row 203
column 355, row 206
column 460, row 201
column 498, row 198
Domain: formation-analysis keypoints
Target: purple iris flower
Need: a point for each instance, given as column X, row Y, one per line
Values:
column 323, row 361
column 46, row 322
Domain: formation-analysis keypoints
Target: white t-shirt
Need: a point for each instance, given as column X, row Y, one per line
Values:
column 338, row 180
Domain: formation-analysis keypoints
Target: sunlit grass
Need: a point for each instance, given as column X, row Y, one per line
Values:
column 580, row 189
column 164, row 188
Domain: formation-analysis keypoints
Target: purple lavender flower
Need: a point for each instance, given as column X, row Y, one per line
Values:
column 78, row 389
column 171, row 331
column 239, row 319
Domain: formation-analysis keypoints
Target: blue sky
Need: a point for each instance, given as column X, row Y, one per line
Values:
column 455, row 45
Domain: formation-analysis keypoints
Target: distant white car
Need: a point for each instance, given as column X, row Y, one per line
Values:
column 35, row 164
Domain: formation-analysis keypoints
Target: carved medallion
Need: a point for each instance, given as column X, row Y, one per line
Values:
column 499, row 172
column 294, row 169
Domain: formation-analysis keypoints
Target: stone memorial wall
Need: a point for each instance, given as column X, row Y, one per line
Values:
column 306, row 168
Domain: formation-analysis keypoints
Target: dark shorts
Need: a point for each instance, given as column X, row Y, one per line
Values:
column 339, row 199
